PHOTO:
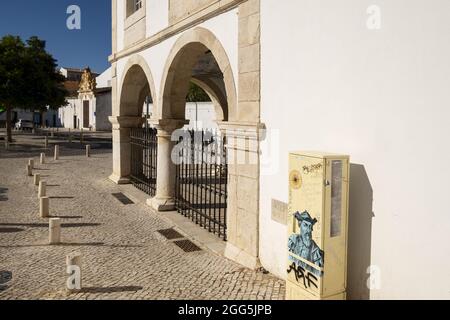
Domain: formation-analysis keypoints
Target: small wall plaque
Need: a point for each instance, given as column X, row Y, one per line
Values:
column 279, row 211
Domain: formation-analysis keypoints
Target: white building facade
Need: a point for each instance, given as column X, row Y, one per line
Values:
column 363, row 78
column 91, row 108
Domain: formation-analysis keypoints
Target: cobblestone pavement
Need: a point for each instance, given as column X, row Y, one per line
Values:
column 124, row 257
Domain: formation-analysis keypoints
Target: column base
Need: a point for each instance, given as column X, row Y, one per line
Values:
column 240, row 256
column 161, row 205
column 119, row 180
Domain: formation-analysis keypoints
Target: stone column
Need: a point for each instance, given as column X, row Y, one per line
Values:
column 44, row 207
column 243, row 153
column 165, row 181
column 122, row 147
column 42, row 189
column 56, row 155
column 37, row 179
column 54, row 231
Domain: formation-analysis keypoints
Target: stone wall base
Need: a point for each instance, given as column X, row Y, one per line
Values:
column 237, row 255
column 118, row 180
column 161, row 205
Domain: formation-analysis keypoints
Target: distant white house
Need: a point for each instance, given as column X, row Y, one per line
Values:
column 60, row 118
column 89, row 107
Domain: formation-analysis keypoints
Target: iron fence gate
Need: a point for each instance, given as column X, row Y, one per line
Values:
column 201, row 180
column 144, row 151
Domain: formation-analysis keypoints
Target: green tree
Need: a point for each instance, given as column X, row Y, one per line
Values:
column 28, row 78
column 196, row 94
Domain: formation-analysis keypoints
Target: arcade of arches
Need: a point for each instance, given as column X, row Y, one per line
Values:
column 197, row 57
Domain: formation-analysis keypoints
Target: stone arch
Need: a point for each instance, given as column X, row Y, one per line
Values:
column 217, row 98
column 137, row 82
column 185, row 53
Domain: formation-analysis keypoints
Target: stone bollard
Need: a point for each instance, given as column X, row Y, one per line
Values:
column 42, row 189
column 45, row 207
column 42, row 158
column 29, row 171
column 31, row 163
column 54, row 229
column 37, row 179
column 88, row 151
column 73, row 262
column 56, row 157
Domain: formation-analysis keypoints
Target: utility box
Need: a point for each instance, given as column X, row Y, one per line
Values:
column 317, row 226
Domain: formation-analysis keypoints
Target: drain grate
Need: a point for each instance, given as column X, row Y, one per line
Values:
column 170, row 234
column 5, row 276
column 122, row 198
column 187, row 246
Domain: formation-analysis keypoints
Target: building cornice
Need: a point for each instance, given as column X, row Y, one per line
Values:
column 215, row 9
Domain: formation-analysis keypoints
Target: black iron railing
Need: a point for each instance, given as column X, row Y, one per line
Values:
column 144, row 152
column 201, row 180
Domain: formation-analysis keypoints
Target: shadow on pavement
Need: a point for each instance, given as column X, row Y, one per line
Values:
column 11, row 230
column 45, row 225
column 62, row 197
column 67, row 217
column 111, row 289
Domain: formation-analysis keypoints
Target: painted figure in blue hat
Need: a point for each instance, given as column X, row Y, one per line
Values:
column 304, row 246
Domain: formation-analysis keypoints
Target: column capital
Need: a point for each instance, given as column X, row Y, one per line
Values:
column 167, row 126
column 126, row 122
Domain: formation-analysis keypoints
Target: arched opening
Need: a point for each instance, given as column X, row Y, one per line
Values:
column 135, row 148
column 136, row 101
column 198, row 57
column 194, row 63
column 135, row 90
column 201, row 172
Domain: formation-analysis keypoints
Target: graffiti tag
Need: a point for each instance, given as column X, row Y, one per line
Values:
column 301, row 274
column 312, row 168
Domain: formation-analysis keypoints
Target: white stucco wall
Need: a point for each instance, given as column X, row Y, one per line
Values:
column 75, row 108
column 103, row 112
column 201, row 115
column 120, row 16
column 67, row 113
column 329, row 83
column 157, row 16
column 104, row 79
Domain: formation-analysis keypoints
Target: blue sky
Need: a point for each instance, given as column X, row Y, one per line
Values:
column 46, row 19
